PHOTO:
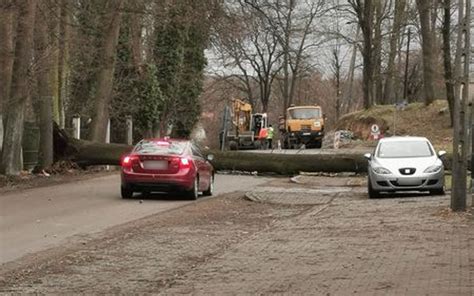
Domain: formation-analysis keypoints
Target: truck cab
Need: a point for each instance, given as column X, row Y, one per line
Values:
column 303, row 125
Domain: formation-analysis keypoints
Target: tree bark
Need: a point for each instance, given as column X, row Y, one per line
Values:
column 45, row 88
column 11, row 164
column 365, row 17
column 424, row 10
column 53, row 75
column 460, row 126
column 448, row 69
column 6, row 58
column 63, row 71
column 136, row 26
column 377, row 55
column 351, row 71
column 388, row 96
column 106, row 72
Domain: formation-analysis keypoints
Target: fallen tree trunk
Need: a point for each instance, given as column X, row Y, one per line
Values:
column 86, row 153
column 288, row 164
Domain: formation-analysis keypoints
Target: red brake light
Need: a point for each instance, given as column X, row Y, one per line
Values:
column 126, row 160
column 185, row 163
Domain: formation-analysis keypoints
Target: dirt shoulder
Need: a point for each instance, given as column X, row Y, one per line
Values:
column 27, row 180
column 336, row 242
column 161, row 248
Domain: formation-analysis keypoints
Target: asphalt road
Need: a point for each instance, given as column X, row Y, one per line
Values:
column 37, row 219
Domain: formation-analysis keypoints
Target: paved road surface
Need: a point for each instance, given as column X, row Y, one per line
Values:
column 320, row 237
column 36, row 219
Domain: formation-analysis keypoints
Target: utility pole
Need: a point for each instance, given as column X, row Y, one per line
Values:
column 461, row 121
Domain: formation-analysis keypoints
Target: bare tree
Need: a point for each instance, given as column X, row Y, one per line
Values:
column 11, row 164
column 448, row 69
column 400, row 7
column 364, row 11
column 63, row 67
column 254, row 50
column 110, row 31
column 461, row 116
column 136, row 27
column 228, row 45
column 377, row 48
column 292, row 22
column 336, row 66
column 6, row 56
column 427, row 45
column 44, row 57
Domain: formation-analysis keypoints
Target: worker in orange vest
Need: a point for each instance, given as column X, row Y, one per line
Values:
column 262, row 137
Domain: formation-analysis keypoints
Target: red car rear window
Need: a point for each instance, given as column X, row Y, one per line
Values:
column 160, row 147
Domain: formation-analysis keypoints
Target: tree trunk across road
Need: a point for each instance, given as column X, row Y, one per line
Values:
column 86, row 153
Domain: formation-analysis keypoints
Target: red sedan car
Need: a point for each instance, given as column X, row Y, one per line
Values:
column 167, row 165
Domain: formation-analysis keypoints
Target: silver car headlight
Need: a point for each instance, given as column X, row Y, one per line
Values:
column 381, row 171
column 434, row 168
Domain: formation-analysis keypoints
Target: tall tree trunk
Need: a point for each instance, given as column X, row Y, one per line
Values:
column 424, row 9
column 286, row 62
column 106, row 71
column 378, row 85
column 136, row 26
column 6, row 58
column 11, row 164
column 394, row 41
column 63, row 71
column 350, row 76
column 366, row 21
column 460, row 126
column 54, row 71
column 43, row 49
column 448, row 69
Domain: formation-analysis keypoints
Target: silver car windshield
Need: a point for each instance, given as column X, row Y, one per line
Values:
column 404, row 149
column 160, row 147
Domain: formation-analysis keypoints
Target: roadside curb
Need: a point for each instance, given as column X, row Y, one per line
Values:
column 252, row 196
column 296, row 179
column 293, row 196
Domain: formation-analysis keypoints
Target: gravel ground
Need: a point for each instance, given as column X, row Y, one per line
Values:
column 320, row 243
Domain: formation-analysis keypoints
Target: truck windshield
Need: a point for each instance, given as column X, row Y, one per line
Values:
column 309, row 113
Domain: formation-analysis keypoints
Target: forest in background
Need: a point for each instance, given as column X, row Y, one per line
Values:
column 166, row 63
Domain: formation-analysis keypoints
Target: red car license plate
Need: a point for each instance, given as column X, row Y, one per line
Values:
column 155, row 165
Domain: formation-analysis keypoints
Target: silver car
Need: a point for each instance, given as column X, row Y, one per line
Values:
column 405, row 164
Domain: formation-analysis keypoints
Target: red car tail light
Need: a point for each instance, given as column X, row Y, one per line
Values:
column 185, row 163
column 127, row 161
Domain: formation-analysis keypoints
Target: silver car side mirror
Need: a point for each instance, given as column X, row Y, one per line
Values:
column 368, row 156
column 441, row 153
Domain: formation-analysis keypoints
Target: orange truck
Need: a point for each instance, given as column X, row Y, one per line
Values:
column 302, row 125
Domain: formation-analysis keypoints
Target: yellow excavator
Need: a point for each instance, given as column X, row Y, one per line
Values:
column 241, row 127
column 302, row 125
